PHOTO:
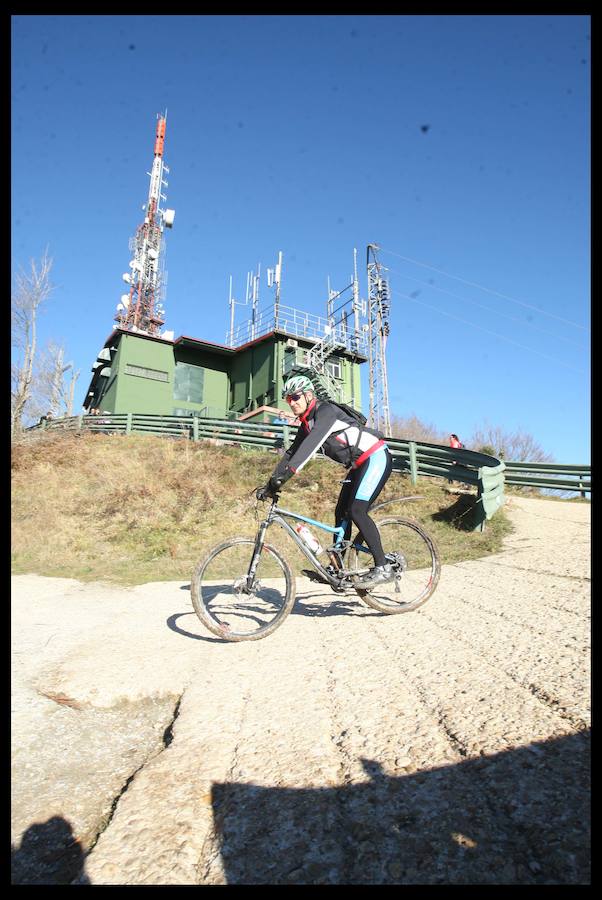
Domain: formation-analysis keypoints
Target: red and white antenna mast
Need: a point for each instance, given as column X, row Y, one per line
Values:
column 142, row 309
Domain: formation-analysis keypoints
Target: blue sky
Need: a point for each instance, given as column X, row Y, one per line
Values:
column 459, row 144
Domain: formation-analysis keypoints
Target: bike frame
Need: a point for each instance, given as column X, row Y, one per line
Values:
column 277, row 516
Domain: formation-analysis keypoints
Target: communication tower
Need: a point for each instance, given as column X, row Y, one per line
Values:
column 379, row 303
column 142, row 310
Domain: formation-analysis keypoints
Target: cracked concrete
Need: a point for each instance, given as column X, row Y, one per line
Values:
column 449, row 745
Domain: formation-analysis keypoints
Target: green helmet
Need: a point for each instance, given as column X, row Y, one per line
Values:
column 297, row 385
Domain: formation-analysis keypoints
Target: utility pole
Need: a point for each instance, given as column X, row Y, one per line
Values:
column 379, row 302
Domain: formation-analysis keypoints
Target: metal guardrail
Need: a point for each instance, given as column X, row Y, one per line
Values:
column 476, row 469
column 414, row 457
column 552, row 476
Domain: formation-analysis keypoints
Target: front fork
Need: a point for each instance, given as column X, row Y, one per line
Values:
column 259, row 542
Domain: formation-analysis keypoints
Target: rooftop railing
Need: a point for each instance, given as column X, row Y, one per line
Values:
column 299, row 324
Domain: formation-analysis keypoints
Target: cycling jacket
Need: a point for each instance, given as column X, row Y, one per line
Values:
column 325, row 426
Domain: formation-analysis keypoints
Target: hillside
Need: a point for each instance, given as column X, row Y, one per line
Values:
column 134, row 509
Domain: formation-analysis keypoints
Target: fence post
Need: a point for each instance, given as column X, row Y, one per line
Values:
column 128, row 423
column 582, row 492
column 286, row 436
column 479, row 509
column 195, row 428
column 80, row 421
column 413, row 462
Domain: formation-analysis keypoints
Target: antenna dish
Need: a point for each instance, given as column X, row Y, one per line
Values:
column 126, row 277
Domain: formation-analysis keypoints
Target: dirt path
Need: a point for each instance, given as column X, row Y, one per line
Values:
column 449, row 745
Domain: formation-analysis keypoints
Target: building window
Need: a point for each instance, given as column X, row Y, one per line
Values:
column 333, row 367
column 142, row 372
column 188, row 383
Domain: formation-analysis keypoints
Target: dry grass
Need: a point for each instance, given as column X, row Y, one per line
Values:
column 133, row 509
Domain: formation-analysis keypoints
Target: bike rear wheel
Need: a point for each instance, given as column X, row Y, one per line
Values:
column 415, row 559
column 227, row 605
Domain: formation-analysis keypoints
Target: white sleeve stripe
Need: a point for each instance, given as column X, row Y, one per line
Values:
column 334, row 427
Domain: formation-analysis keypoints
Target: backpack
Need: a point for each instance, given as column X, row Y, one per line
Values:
column 359, row 417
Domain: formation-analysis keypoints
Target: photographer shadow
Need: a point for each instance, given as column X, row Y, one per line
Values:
column 48, row 854
column 516, row 817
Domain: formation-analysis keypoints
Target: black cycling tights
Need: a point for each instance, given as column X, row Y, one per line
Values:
column 356, row 511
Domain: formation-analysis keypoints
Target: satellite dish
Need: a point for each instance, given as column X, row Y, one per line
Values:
column 120, row 306
column 126, row 277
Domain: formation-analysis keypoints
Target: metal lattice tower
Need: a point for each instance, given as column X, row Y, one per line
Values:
column 141, row 310
column 379, row 303
column 341, row 330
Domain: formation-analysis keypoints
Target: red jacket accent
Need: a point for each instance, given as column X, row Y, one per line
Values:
column 303, row 418
column 367, row 453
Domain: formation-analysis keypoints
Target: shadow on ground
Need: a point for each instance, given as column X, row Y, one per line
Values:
column 518, row 817
column 48, row 854
column 301, row 608
column 462, row 514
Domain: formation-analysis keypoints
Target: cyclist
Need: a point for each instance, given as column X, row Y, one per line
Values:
column 341, row 437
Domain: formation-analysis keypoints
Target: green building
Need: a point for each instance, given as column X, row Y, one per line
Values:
column 139, row 373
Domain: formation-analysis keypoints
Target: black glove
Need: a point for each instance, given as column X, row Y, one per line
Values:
column 273, row 486
column 263, row 493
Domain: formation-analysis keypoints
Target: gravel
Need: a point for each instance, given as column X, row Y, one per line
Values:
column 446, row 746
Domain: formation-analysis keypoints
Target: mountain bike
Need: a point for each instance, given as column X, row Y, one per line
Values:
column 244, row 588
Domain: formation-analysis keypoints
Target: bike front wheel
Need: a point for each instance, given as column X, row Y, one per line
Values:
column 229, row 604
column 415, row 560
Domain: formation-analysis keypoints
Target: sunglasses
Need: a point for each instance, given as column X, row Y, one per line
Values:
column 290, row 397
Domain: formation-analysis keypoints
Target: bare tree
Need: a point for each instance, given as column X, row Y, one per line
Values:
column 31, row 290
column 512, row 446
column 411, row 428
column 50, row 392
column 70, row 390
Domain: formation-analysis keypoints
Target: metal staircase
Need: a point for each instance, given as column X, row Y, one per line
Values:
column 315, row 368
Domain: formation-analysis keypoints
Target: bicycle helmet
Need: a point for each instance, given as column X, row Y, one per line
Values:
column 297, row 384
